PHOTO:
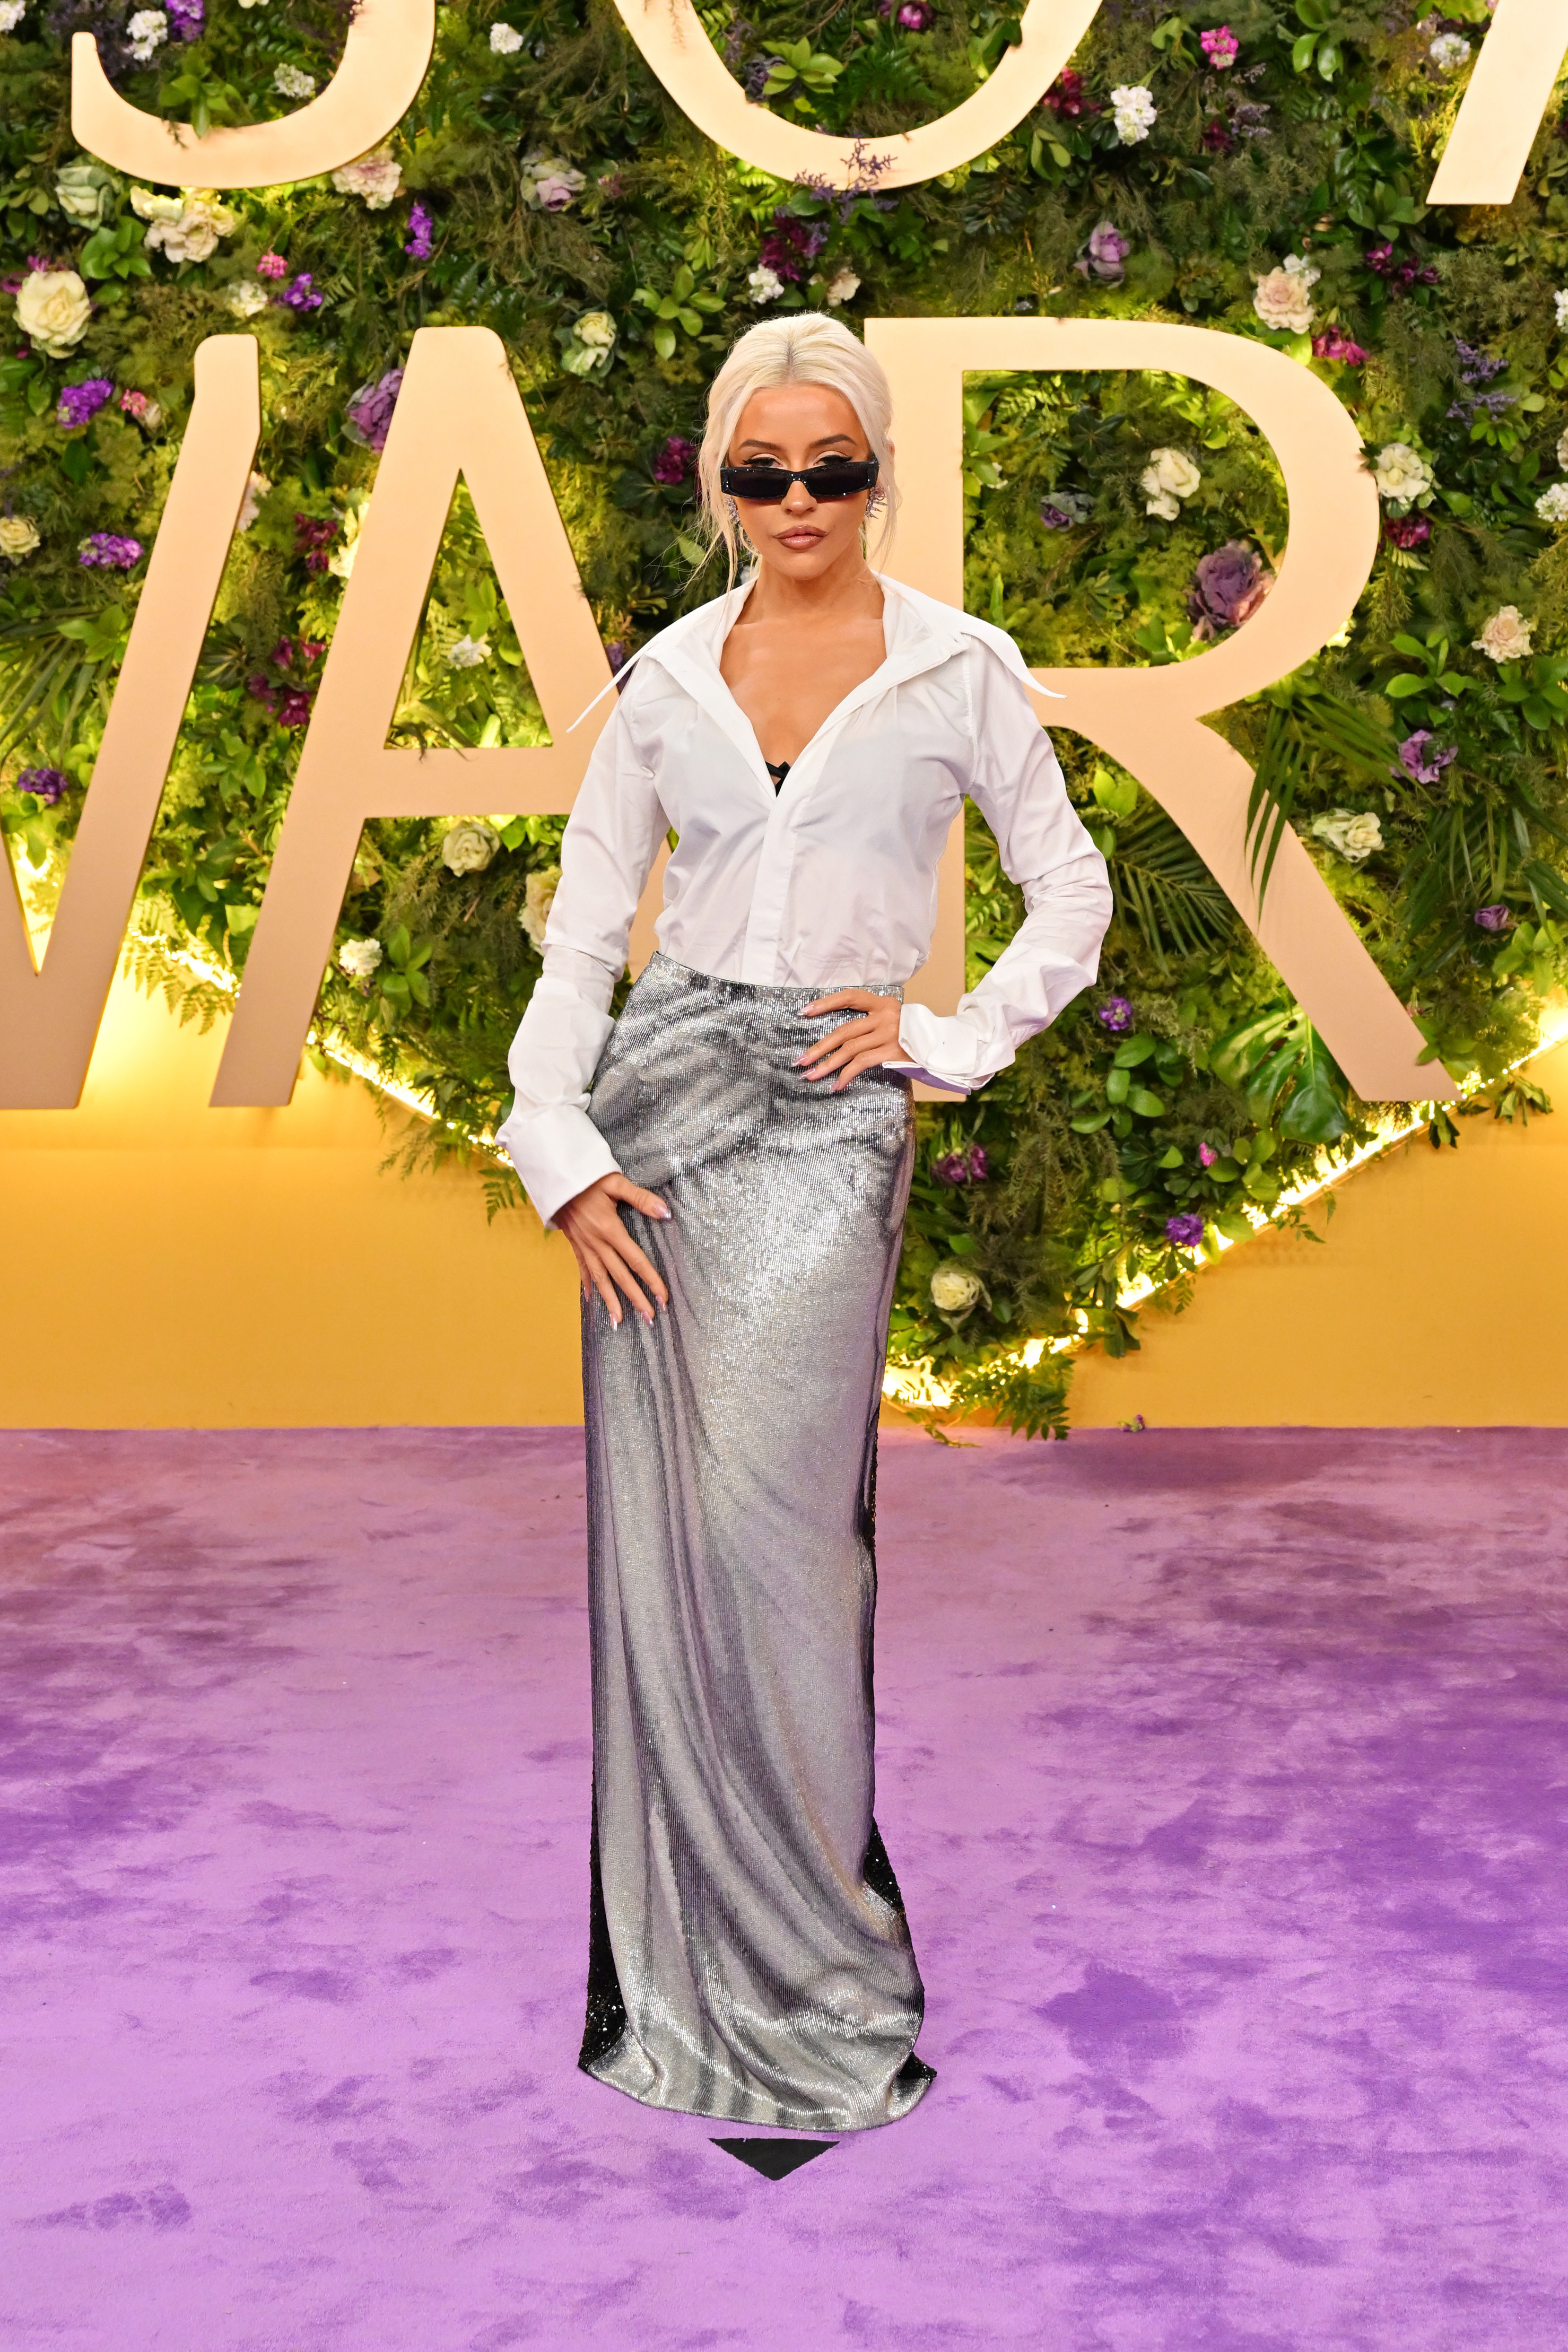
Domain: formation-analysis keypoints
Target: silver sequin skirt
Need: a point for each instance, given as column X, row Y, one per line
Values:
column 748, row 1953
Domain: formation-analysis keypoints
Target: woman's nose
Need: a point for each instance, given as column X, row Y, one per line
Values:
column 799, row 500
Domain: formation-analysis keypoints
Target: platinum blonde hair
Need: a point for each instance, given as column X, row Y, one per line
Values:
column 807, row 348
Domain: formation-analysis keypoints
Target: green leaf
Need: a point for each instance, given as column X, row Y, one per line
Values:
column 1131, row 1051
column 1405, row 683
column 1118, row 1086
column 1146, row 1105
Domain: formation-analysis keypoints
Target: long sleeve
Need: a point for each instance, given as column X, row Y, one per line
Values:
column 1018, row 788
column 606, row 855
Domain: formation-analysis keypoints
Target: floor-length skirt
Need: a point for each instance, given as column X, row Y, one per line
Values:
column 748, row 1953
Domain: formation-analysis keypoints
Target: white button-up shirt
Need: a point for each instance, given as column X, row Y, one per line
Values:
column 828, row 883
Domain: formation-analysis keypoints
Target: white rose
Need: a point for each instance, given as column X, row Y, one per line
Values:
column 148, row 206
column 53, row 310
column 376, row 178
column 18, row 537
column 245, row 298
column 505, row 39
column 842, row 287
column 954, row 1290
column 1560, row 301
column 84, row 193
column 1449, row 49
column 470, row 846
column 1353, row 836
column 1506, row 637
column 147, row 31
column 1168, row 476
column 360, row 958
column 289, row 82
column 468, row 653
column 1283, row 299
column 541, row 896
column 11, row 14
column 766, row 285
column 1562, row 449
column 1551, row 505
column 1132, row 108
column 194, row 236
column 597, row 330
column 1400, row 476
column 255, row 490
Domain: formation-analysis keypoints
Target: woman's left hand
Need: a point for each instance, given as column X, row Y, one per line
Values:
column 856, row 1045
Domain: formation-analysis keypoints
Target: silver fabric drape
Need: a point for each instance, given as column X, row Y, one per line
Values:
column 750, row 1956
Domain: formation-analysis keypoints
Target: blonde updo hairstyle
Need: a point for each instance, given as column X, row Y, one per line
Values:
column 808, row 348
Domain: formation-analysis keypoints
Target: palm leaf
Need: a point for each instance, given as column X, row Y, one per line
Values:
column 1163, row 890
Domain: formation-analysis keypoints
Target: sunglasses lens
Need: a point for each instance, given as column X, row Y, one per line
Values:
column 762, row 486
column 767, row 486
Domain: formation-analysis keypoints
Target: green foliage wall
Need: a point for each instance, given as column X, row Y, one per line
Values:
column 1257, row 171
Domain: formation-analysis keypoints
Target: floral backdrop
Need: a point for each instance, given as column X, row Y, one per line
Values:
column 544, row 185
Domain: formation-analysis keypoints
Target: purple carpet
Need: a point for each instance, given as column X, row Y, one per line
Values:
column 1225, row 1774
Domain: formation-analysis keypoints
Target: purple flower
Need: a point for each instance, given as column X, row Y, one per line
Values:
column 48, row 785
column 788, row 245
column 673, row 462
column 1108, row 249
column 300, row 296
column 1333, row 343
column 1221, row 47
column 1207, row 1154
column 370, row 411
column 1406, row 531
column 79, row 401
column 915, row 16
column 186, row 17
column 1419, row 762
column 1065, row 509
column 1493, row 918
column 102, row 551
column 1228, row 585
column 1185, row 1230
column 1474, row 366
column 1115, row 1014
column 970, row 1167
column 615, row 655
column 420, row 241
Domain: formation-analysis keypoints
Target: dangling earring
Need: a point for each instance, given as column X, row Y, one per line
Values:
column 875, row 503
column 732, row 513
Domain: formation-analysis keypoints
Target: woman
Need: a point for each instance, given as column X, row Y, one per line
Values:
column 732, row 1160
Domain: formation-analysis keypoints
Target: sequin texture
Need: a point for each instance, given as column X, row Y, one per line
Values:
column 748, row 1926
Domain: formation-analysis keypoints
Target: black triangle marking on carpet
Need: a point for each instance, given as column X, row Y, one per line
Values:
column 775, row 2159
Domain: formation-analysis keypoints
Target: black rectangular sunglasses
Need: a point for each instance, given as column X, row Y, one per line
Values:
column 769, row 486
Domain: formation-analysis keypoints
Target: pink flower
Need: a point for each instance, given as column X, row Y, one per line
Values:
column 1333, row 343
column 272, row 264
column 1221, row 47
column 1207, row 1154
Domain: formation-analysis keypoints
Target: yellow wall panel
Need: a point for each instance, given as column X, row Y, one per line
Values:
column 171, row 1266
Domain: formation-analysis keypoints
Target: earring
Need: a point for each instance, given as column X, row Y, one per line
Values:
column 875, row 503
column 731, row 512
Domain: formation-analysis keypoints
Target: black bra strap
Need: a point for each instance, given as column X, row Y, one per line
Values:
column 778, row 773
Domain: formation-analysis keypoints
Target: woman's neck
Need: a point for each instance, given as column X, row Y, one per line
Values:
column 848, row 590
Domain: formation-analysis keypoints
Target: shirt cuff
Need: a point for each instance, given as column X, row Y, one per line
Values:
column 949, row 1051
column 558, row 1152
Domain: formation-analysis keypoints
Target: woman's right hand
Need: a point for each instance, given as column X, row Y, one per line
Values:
column 605, row 1252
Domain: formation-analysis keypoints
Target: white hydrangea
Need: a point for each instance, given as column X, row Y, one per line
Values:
column 376, row 178
column 1133, row 112
column 1283, row 299
column 843, row 288
column 468, row 653
column 1506, row 637
column 1354, row 836
column 766, row 285
column 505, row 39
column 1401, row 474
column 11, row 14
column 470, row 846
column 1561, row 302
column 255, row 490
column 1448, row 50
column 954, row 1290
column 1551, row 505
column 1168, row 478
column 147, row 31
column 535, row 913
column 360, row 958
column 289, row 81
column 1562, row 449
column 245, row 298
